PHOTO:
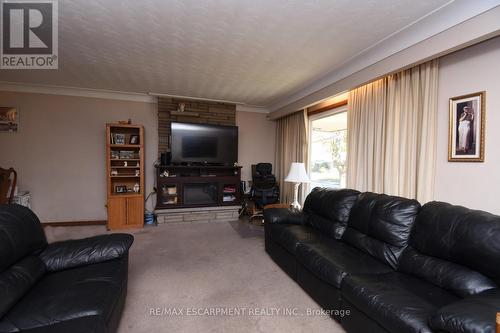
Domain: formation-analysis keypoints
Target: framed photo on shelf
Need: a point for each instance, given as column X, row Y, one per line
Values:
column 9, row 119
column 120, row 189
column 119, row 138
column 466, row 129
column 134, row 140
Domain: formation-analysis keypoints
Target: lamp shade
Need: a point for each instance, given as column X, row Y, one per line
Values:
column 297, row 173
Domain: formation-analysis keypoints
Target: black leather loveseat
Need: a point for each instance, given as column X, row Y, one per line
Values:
column 76, row 286
column 394, row 265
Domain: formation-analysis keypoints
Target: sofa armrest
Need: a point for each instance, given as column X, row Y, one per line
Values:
column 284, row 216
column 475, row 313
column 73, row 253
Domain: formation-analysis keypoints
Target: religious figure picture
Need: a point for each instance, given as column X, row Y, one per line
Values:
column 466, row 137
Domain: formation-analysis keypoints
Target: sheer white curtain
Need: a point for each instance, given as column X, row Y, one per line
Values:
column 291, row 146
column 392, row 134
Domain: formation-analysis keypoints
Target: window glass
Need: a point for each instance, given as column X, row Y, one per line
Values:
column 328, row 150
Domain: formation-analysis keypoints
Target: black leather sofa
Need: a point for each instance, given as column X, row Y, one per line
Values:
column 72, row 286
column 393, row 265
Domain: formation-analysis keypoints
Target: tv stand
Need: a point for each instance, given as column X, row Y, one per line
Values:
column 198, row 164
column 188, row 186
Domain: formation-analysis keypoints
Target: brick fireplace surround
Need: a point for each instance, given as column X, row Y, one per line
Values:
column 206, row 113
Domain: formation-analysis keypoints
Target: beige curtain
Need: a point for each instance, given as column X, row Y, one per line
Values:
column 365, row 143
column 291, row 146
column 392, row 134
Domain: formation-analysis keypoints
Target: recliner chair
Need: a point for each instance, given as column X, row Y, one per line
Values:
column 265, row 189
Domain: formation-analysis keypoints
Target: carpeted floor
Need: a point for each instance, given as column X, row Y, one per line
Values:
column 183, row 276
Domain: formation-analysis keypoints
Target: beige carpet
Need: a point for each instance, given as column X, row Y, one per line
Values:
column 189, row 274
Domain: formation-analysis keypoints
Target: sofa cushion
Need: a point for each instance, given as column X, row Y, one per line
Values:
column 380, row 225
column 398, row 302
column 328, row 209
column 331, row 260
column 21, row 234
column 17, row 280
column 455, row 248
column 456, row 278
column 91, row 290
column 289, row 235
column 475, row 313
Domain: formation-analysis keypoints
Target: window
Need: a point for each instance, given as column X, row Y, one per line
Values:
column 328, row 149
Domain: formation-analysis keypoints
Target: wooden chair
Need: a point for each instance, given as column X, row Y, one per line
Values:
column 8, row 179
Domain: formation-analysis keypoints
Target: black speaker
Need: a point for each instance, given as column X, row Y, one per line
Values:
column 166, row 158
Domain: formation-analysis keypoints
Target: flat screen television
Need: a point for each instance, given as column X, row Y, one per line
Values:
column 204, row 144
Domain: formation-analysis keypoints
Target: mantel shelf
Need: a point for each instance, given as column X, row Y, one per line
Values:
column 185, row 113
column 202, row 166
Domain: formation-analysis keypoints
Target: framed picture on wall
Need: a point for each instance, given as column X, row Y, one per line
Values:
column 9, row 119
column 467, row 123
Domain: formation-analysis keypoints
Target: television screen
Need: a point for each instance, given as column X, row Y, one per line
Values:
column 199, row 143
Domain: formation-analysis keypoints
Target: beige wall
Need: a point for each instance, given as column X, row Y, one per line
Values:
column 475, row 185
column 256, row 141
column 59, row 151
column 60, row 148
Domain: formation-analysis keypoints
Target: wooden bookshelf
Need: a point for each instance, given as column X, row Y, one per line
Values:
column 125, row 176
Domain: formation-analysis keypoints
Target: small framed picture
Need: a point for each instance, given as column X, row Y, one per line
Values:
column 9, row 119
column 120, row 189
column 119, row 138
column 134, row 140
column 467, row 126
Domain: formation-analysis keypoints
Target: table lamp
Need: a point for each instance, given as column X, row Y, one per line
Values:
column 297, row 175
